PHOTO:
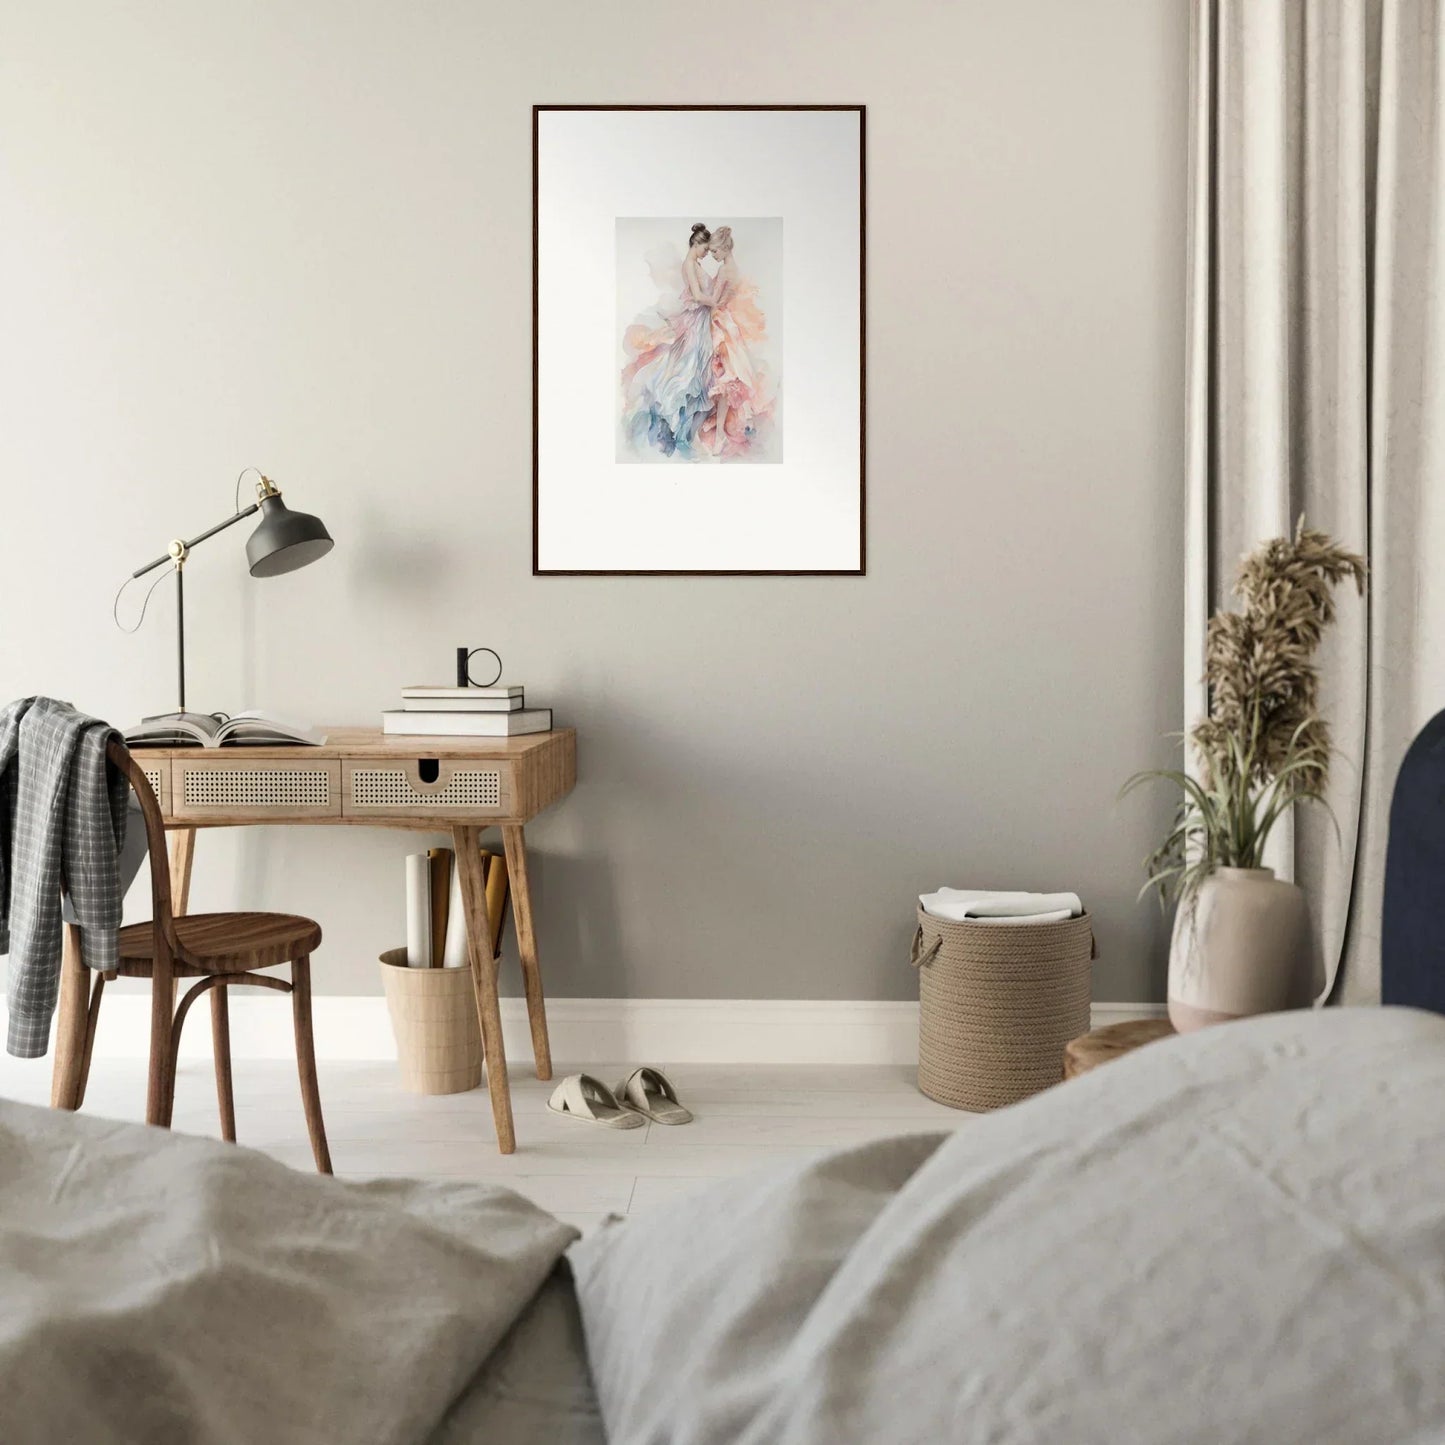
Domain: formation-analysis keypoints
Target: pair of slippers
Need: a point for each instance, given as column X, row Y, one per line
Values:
column 644, row 1094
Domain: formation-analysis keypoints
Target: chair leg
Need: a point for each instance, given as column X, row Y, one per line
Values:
column 221, row 1049
column 161, row 1080
column 70, row 1024
column 306, row 1060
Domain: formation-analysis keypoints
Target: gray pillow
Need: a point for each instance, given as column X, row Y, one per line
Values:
column 689, row 1310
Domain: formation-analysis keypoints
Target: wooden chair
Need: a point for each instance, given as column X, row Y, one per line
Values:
column 218, row 949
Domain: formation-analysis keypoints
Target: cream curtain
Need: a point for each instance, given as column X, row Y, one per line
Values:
column 1316, row 384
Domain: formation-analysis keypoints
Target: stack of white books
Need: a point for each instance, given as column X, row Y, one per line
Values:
column 466, row 712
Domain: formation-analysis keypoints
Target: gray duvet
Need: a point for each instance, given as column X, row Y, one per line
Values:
column 156, row 1288
column 1237, row 1236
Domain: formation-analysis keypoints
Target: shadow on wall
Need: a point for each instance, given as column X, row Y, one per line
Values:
column 383, row 560
column 381, row 565
column 583, row 927
column 822, row 866
column 842, row 893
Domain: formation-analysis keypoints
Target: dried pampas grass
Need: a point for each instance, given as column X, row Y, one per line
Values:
column 1264, row 745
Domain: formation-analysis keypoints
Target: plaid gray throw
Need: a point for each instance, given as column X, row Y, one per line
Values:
column 62, row 816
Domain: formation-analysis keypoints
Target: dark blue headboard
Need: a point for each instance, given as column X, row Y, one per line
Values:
column 1412, row 937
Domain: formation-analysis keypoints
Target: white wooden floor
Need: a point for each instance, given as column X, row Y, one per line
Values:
column 747, row 1117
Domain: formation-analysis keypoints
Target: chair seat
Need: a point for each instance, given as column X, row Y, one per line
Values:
column 228, row 942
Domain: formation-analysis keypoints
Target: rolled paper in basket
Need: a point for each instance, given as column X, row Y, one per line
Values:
column 418, row 911
column 497, row 886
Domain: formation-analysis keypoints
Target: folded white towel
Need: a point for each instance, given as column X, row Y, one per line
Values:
column 986, row 906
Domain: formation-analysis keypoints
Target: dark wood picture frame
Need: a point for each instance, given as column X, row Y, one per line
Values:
column 862, row 568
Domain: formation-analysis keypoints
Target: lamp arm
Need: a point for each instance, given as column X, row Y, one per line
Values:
column 200, row 537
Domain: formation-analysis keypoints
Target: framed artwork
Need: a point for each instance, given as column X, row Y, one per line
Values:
column 698, row 340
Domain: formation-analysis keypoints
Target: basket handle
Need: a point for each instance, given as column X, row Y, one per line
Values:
column 919, row 956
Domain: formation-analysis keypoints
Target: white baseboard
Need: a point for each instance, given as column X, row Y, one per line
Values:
column 613, row 1030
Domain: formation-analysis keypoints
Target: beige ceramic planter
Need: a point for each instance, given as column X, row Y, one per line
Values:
column 1240, row 946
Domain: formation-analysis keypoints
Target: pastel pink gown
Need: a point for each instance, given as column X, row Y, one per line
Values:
column 738, row 329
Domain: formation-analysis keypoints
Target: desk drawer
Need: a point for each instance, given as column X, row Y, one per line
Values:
column 158, row 774
column 418, row 787
column 235, row 786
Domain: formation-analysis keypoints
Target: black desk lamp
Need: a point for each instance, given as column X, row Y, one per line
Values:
column 284, row 541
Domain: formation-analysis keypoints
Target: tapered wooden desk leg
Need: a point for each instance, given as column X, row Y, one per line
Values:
column 183, row 852
column 467, row 842
column 92, row 1020
column 515, row 843
column 70, row 1024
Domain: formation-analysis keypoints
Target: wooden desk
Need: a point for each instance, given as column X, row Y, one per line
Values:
column 361, row 778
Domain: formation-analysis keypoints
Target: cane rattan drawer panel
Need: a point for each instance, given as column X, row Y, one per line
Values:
column 421, row 787
column 236, row 786
column 158, row 774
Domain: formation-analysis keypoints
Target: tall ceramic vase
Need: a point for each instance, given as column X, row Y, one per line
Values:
column 1240, row 946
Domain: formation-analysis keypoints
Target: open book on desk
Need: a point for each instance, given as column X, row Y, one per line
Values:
column 217, row 730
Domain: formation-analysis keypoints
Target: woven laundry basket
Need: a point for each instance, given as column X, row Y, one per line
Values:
column 997, row 1004
column 434, row 1017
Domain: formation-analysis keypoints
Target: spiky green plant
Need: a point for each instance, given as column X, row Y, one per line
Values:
column 1264, row 746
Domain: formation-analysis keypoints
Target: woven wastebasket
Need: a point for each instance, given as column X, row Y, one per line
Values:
column 434, row 1017
column 997, row 1004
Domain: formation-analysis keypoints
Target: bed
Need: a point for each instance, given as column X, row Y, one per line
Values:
column 1237, row 1235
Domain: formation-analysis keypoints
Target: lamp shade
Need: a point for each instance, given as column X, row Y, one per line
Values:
column 285, row 540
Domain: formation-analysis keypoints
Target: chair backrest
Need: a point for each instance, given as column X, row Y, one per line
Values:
column 161, row 915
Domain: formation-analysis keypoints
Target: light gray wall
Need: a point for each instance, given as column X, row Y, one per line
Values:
column 298, row 235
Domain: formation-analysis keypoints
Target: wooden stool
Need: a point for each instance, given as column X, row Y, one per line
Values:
column 218, row 949
column 1112, row 1042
